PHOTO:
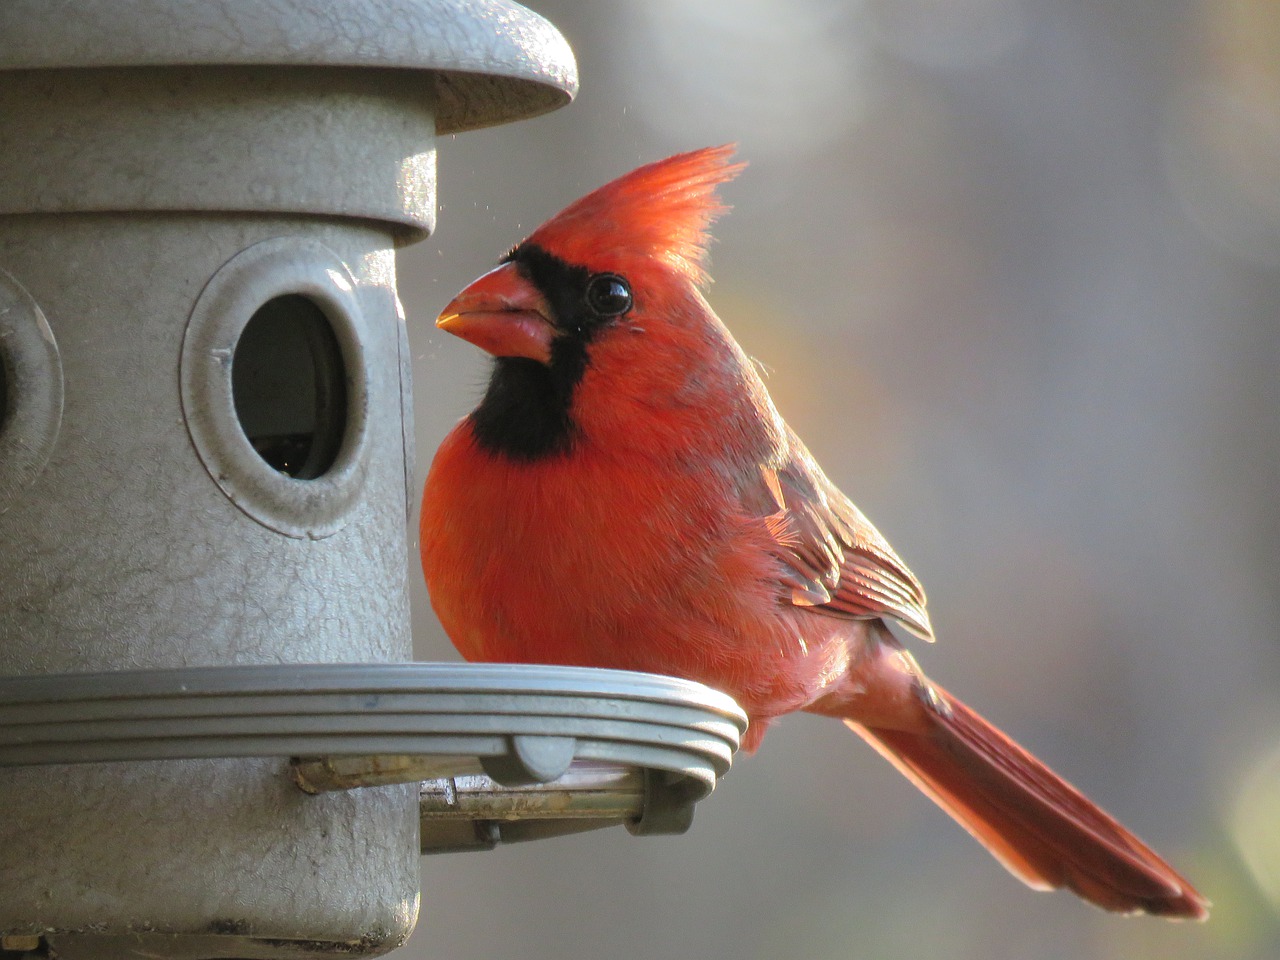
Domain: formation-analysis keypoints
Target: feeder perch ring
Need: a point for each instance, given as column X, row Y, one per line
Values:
column 635, row 747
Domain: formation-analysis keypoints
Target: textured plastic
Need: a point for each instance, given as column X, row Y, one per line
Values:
column 164, row 166
column 30, row 390
column 569, row 749
column 491, row 61
column 314, row 508
column 286, row 106
column 524, row 724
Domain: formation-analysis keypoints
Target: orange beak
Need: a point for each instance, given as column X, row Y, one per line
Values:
column 502, row 313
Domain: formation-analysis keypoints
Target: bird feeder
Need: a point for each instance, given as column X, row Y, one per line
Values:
column 212, row 741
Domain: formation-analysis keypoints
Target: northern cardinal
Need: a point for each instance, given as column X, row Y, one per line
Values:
column 626, row 495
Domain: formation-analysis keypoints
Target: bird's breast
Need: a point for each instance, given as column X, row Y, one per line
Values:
column 599, row 561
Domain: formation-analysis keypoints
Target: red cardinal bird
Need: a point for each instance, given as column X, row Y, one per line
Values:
column 626, row 495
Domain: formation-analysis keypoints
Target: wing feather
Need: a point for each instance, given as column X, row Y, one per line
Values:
column 834, row 560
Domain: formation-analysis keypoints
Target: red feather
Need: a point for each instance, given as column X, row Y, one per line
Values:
column 658, row 514
column 660, row 211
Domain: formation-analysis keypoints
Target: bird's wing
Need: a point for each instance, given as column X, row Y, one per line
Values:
column 834, row 560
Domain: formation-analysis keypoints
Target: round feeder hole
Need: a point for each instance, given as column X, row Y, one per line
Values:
column 288, row 383
column 30, row 391
column 4, row 388
column 275, row 385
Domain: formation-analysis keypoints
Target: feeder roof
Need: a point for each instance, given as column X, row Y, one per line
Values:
column 493, row 60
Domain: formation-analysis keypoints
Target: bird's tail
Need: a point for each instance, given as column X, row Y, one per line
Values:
column 1041, row 828
column 1037, row 824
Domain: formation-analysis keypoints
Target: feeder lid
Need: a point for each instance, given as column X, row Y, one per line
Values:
column 493, row 61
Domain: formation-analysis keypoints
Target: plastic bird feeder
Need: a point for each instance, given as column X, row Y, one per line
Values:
column 211, row 741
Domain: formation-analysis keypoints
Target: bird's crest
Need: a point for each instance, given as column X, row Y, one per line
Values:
column 661, row 210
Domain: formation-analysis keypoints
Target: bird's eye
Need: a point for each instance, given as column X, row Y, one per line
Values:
column 608, row 295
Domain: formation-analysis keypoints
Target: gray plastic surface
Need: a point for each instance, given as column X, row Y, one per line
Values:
column 493, row 61
column 31, row 391
column 316, row 507
column 526, row 724
column 155, row 151
column 522, row 725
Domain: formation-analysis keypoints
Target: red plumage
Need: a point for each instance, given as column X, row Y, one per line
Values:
column 627, row 496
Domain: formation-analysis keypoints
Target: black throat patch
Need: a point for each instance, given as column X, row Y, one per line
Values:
column 525, row 413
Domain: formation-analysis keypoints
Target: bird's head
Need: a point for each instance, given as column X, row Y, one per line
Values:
column 604, row 295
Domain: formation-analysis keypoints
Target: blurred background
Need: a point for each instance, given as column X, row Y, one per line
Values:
column 1014, row 266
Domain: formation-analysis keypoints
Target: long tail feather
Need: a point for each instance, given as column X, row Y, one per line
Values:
column 1041, row 828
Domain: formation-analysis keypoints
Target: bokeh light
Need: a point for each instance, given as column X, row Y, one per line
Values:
column 1255, row 823
column 794, row 71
